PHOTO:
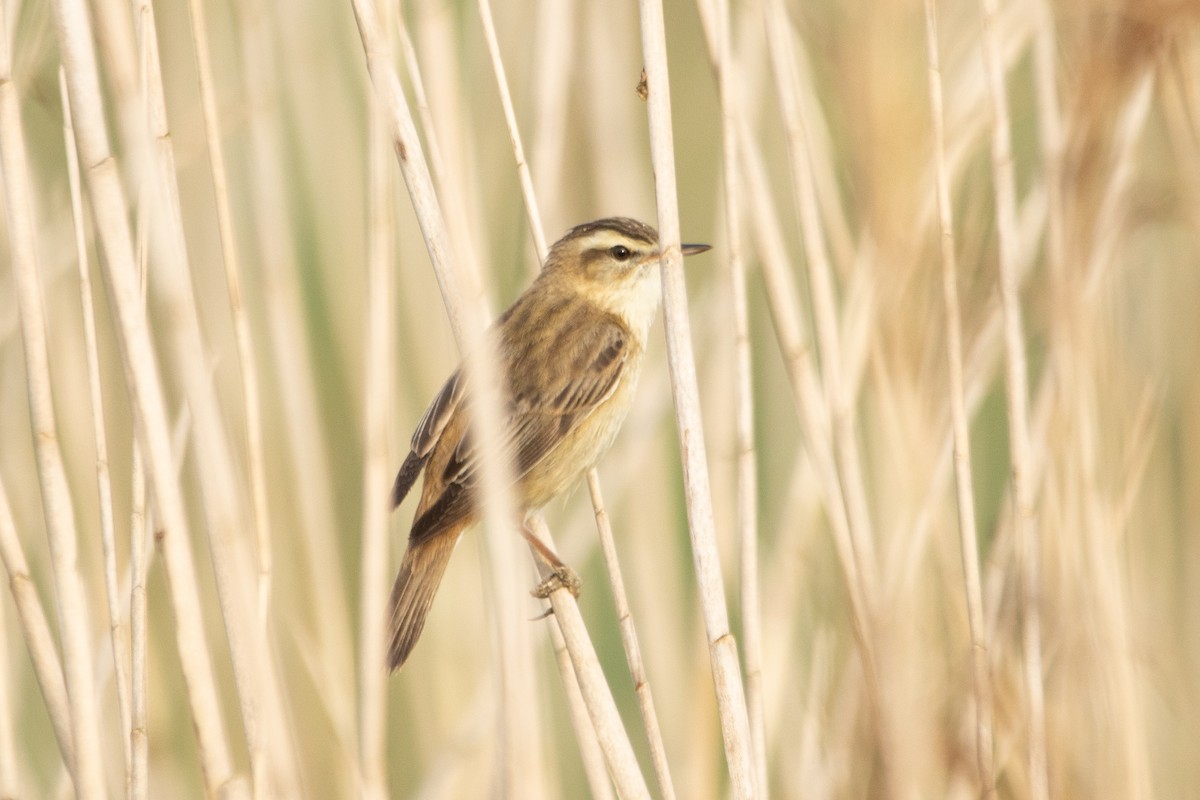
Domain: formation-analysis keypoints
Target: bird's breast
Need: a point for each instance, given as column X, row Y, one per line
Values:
column 582, row 447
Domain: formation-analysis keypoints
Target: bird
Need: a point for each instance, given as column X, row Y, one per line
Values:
column 570, row 349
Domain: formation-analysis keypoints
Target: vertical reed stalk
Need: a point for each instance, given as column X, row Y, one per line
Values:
column 247, row 362
column 116, row 630
column 69, row 589
column 39, row 642
column 968, row 537
column 465, row 307
column 726, row 673
column 629, row 640
column 9, row 779
column 145, row 387
column 377, row 450
column 824, row 306
column 309, row 477
column 139, row 564
column 585, row 735
column 1016, row 382
column 597, row 696
column 729, row 82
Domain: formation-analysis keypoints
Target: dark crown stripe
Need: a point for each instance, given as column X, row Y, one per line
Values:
column 622, row 225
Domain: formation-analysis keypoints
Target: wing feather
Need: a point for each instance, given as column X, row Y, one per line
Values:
column 438, row 415
column 429, row 430
column 540, row 413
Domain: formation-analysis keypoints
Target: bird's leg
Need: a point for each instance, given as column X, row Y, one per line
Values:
column 561, row 576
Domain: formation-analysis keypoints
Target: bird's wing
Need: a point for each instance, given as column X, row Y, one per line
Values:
column 438, row 415
column 540, row 413
column 429, row 430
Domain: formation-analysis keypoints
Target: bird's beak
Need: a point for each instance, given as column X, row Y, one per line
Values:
column 693, row 249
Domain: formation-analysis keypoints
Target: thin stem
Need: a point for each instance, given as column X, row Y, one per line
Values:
column 103, row 482
column 139, row 562
column 968, row 537
column 629, row 639
column 727, row 679
column 140, row 523
column 1017, row 400
column 69, row 589
column 555, row 53
column 585, row 734
column 510, row 118
column 466, row 308
column 597, row 696
column 824, row 305
column 446, row 179
column 222, row 504
column 786, row 319
column 247, row 361
column 413, row 166
column 110, row 211
column 747, row 470
column 307, row 456
column 9, row 779
column 39, row 642
column 377, row 454
column 1050, row 139
column 826, row 420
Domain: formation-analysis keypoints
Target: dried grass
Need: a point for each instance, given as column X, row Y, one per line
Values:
column 937, row 387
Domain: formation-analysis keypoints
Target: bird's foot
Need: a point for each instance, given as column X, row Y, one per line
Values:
column 561, row 577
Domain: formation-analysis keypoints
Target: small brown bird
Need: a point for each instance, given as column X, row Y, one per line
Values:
column 570, row 351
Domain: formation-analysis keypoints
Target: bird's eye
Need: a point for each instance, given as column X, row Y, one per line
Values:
column 620, row 252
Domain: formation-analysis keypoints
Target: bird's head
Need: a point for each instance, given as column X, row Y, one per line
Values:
column 614, row 262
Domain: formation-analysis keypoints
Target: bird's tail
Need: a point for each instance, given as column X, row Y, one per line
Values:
column 417, row 582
